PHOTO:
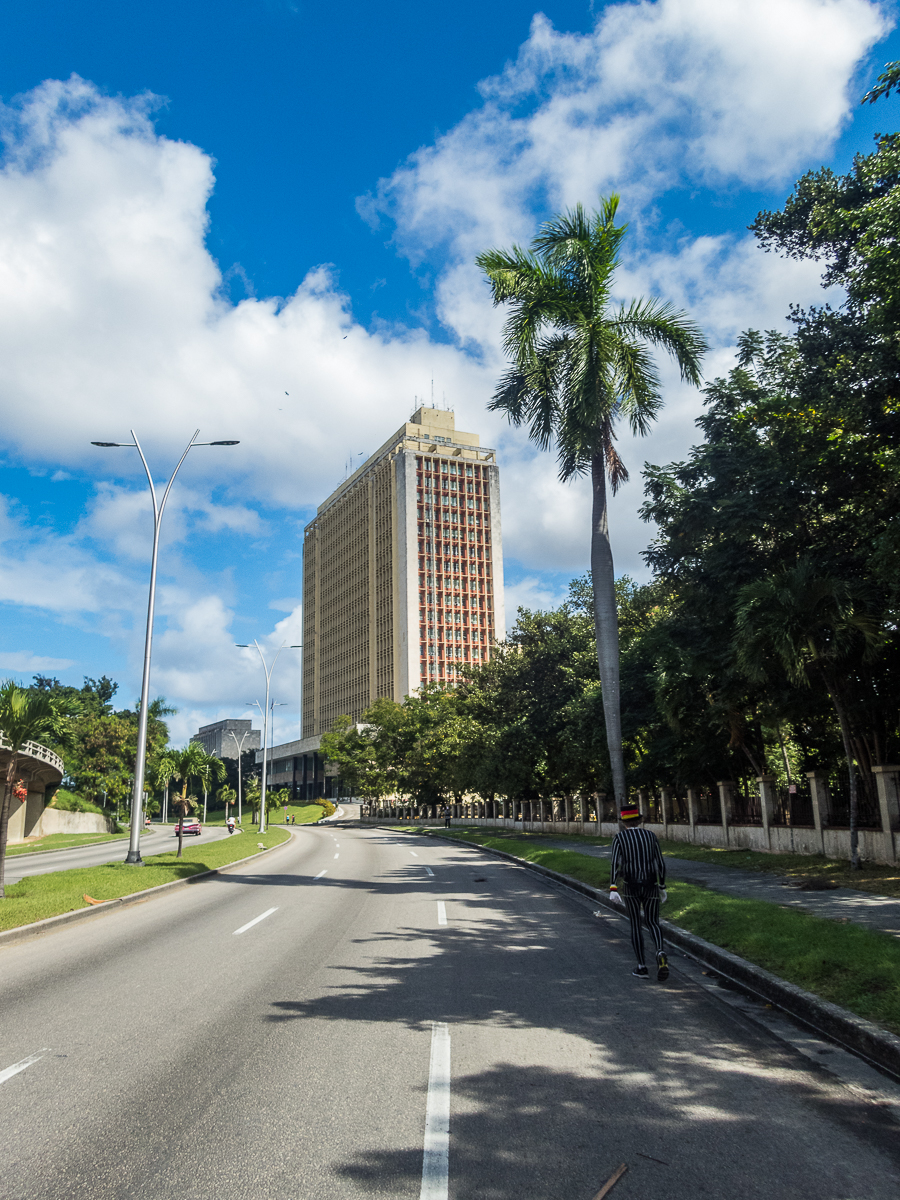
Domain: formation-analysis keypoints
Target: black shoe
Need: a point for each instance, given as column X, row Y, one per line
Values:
column 641, row 972
column 662, row 967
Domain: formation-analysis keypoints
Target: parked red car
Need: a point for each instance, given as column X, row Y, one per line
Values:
column 191, row 825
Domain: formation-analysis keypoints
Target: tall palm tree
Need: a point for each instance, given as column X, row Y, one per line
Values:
column 26, row 715
column 579, row 365
column 213, row 772
column 813, row 626
column 161, row 772
column 189, row 763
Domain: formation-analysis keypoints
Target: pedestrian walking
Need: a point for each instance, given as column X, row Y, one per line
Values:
column 445, row 813
column 637, row 873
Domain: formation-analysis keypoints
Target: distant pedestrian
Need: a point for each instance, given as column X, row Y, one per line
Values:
column 445, row 813
column 638, row 872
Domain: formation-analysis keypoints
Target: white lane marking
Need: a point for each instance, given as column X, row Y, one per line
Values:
column 20, row 1066
column 428, row 871
column 413, row 853
column 256, row 920
column 436, row 1156
column 337, row 855
column 442, row 913
column 321, row 873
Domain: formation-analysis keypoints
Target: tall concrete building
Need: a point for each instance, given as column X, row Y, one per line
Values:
column 402, row 571
column 223, row 738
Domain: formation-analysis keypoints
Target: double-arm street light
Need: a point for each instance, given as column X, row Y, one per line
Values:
column 137, row 797
column 240, row 751
column 268, row 670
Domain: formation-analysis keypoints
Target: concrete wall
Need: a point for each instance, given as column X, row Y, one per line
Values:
column 53, row 820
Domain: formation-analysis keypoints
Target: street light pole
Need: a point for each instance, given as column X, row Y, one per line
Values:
column 268, row 670
column 240, row 750
column 137, row 795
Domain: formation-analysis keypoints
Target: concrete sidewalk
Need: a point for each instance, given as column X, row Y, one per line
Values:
column 840, row 904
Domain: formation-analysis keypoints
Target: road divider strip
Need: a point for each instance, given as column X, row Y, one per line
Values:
column 436, row 1155
column 256, row 920
column 25, row 1062
column 21, row 932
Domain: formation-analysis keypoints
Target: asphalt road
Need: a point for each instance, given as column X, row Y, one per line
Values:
column 176, row 1056
column 156, row 841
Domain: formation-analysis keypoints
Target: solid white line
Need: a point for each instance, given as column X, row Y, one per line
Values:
column 442, row 913
column 20, row 1066
column 436, row 1156
column 256, row 920
column 321, row 873
column 428, row 871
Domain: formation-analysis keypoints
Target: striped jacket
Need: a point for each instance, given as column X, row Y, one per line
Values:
column 637, row 858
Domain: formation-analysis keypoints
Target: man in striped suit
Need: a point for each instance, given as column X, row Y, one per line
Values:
column 638, row 873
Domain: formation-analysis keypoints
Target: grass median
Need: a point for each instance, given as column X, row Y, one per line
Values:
column 39, row 896
column 62, row 841
column 854, row 967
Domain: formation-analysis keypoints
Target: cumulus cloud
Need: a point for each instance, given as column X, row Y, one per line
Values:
column 24, row 660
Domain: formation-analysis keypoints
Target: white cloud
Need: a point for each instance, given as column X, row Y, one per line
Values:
column 24, row 660
column 532, row 593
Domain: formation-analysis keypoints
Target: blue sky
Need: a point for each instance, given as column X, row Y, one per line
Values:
column 204, row 207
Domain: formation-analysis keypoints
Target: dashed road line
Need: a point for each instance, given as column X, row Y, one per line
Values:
column 256, row 920
column 321, row 873
column 428, row 871
column 20, row 1066
column 442, row 913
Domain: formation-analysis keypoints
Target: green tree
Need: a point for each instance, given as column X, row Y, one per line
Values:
column 26, row 715
column 228, row 796
column 579, row 366
column 812, row 626
column 187, row 764
column 213, row 771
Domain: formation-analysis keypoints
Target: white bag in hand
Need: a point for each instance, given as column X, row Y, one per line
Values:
column 615, row 898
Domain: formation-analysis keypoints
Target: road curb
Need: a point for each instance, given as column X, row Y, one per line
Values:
column 9, row 937
column 869, row 1041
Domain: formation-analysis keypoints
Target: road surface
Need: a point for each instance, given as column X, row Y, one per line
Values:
column 281, row 1032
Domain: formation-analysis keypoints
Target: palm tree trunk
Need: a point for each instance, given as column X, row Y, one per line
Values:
column 848, row 752
column 4, row 815
column 606, row 624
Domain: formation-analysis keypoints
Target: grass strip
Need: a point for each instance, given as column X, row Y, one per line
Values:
column 39, row 896
column 62, row 841
column 306, row 814
column 857, row 968
column 816, row 868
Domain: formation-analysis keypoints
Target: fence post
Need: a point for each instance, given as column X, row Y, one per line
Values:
column 821, row 808
column 767, row 805
column 726, row 804
column 665, row 803
column 692, row 810
column 888, row 802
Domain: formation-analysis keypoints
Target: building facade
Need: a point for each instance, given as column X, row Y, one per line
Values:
column 223, row 738
column 402, row 571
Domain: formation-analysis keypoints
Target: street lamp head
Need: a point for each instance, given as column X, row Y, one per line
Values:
column 241, row 646
column 112, row 443
column 224, row 443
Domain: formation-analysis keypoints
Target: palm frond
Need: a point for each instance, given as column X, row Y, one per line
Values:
column 662, row 324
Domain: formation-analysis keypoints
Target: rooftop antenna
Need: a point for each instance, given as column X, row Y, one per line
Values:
column 432, row 393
